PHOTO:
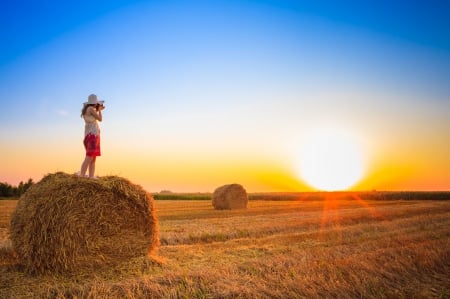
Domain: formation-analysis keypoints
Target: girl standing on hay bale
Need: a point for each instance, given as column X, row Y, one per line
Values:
column 91, row 112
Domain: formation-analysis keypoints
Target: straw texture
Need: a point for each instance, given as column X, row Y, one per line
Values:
column 66, row 223
column 230, row 197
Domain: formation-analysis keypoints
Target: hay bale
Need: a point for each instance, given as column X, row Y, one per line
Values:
column 230, row 197
column 7, row 254
column 66, row 224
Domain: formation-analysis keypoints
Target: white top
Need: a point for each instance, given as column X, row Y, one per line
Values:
column 91, row 125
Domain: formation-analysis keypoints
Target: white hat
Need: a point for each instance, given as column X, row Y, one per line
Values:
column 93, row 100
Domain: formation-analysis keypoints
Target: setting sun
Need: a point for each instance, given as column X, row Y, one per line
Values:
column 331, row 160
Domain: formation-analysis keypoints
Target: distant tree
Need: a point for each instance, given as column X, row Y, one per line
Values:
column 28, row 184
column 6, row 190
column 165, row 192
column 23, row 187
column 19, row 189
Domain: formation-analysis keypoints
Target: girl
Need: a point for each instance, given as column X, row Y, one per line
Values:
column 91, row 112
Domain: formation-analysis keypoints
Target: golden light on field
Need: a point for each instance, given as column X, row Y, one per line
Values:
column 331, row 160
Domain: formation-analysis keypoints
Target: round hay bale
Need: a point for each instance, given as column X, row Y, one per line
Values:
column 230, row 197
column 66, row 223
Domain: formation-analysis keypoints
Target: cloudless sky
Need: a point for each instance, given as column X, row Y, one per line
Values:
column 203, row 93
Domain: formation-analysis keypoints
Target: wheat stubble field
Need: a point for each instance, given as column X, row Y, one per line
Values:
column 327, row 246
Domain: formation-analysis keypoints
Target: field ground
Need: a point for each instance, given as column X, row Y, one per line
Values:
column 328, row 246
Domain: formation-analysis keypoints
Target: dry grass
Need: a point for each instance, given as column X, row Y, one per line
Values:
column 324, row 248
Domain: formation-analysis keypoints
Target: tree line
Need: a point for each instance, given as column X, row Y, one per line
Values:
column 7, row 190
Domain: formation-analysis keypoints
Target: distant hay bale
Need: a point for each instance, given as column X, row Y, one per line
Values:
column 230, row 197
column 66, row 224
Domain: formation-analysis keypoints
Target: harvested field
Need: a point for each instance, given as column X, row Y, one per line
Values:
column 329, row 247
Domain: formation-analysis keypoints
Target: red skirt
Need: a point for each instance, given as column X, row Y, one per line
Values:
column 92, row 145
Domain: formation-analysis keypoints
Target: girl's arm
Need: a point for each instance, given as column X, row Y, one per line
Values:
column 96, row 114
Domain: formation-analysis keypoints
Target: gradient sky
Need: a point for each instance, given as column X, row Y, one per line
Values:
column 204, row 93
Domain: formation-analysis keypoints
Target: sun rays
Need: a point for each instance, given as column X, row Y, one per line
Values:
column 334, row 208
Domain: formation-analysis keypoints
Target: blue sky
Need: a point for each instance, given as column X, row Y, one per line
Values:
column 193, row 82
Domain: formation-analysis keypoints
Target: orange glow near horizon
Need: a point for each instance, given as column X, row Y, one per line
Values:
column 182, row 169
column 192, row 174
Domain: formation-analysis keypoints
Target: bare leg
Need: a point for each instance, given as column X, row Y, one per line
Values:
column 92, row 167
column 86, row 163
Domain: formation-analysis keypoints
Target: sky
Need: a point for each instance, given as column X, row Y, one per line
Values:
column 199, row 94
